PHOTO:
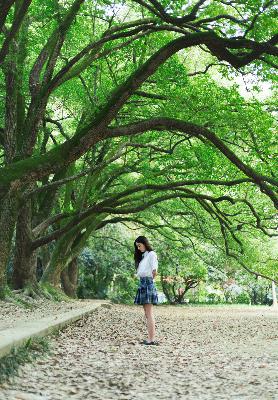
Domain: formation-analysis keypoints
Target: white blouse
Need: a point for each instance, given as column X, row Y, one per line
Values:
column 148, row 263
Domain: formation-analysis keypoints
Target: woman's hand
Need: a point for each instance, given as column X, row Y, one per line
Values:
column 154, row 273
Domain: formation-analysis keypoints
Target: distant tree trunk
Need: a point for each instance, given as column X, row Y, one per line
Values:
column 165, row 288
column 173, row 295
column 274, row 296
column 69, row 278
column 254, row 296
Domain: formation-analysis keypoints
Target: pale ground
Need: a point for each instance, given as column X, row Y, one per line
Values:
column 205, row 353
column 12, row 315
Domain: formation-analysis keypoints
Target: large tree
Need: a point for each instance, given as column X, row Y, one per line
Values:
column 43, row 64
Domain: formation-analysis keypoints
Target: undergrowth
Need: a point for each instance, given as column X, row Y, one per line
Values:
column 32, row 349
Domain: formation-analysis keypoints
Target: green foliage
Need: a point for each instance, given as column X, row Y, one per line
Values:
column 105, row 265
column 242, row 298
column 124, row 289
column 198, row 230
column 94, row 278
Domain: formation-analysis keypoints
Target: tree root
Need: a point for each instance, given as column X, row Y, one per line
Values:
column 15, row 297
column 28, row 296
column 30, row 290
column 54, row 293
column 33, row 292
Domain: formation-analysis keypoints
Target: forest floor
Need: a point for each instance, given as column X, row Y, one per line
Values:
column 205, row 352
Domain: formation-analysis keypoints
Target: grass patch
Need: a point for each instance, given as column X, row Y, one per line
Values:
column 22, row 303
column 32, row 349
column 54, row 293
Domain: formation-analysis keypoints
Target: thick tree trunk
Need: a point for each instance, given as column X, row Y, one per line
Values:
column 44, row 256
column 25, row 261
column 68, row 247
column 52, row 273
column 69, row 278
column 8, row 215
column 58, row 261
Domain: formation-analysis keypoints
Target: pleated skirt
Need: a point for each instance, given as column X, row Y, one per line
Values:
column 146, row 291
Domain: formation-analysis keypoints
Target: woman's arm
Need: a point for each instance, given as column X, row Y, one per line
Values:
column 154, row 263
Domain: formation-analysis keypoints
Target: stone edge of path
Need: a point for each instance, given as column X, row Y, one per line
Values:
column 17, row 336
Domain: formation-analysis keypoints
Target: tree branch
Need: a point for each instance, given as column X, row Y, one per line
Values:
column 198, row 131
column 89, row 135
column 19, row 16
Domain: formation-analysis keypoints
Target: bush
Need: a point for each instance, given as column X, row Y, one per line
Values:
column 242, row 298
column 124, row 289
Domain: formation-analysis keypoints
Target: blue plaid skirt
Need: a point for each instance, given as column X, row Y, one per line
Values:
column 146, row 292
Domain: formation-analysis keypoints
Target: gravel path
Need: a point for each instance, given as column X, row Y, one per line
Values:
column 205, row 353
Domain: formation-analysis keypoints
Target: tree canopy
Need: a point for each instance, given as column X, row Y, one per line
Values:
column 131, row 113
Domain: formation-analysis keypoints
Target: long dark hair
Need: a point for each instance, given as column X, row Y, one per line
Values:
column 138, row 255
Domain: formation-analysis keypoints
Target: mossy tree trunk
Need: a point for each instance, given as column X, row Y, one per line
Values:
column 68, row 247
column 69, row 278
column 60, row 258
column 8, row 217
column 20, row 135
column 35, row 210
column 25, row 260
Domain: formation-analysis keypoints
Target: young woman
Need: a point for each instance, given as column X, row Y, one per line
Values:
column 146, row 265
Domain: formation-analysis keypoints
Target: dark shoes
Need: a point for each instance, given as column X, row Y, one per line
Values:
column 153, row 342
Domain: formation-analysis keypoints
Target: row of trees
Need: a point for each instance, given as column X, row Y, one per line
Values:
column 206, row 275
column 111, row 114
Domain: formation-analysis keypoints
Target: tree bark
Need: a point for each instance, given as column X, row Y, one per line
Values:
column 69, row 278
column 8, row 217
column 59, row 260
column 68, row 247
column 25, row 261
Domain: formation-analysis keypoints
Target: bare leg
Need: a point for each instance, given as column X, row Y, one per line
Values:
column 148, row 308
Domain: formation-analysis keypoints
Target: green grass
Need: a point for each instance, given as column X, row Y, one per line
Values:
column 54, row 293
column 32, row 349
column 22, row 303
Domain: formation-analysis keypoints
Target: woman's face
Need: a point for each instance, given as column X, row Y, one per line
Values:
column 141, row 247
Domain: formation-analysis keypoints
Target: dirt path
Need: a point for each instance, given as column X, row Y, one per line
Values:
column 206, row 353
